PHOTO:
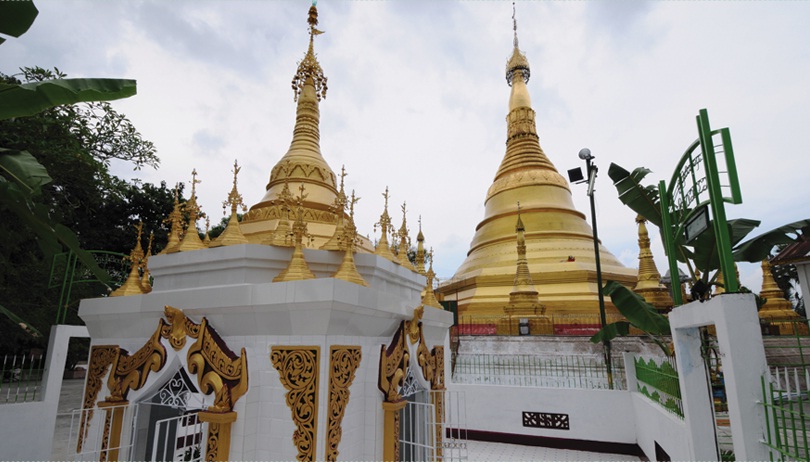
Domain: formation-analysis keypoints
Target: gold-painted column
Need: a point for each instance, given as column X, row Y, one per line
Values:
column 113, row 422
column 391, row 430
column 218, row 446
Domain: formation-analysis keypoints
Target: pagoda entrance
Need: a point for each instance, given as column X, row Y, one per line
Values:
column 167, row 427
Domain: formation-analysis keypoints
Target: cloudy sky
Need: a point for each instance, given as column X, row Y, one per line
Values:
column 417, row 96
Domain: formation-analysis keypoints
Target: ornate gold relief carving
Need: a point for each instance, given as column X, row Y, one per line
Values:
column 298, row 371
column 178, row 327
column 130, row 372
column 101, row 357
column 218, row 369
column 343, row 363
column 393, row 366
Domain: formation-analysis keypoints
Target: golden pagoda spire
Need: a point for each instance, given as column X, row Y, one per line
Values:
column 339, row 208
column 232, row 234
column 207, row 238
column 282, row 235
column 192, row 241
column 132, row 286
column 420, row 250
column 297, row 269
column 175, row 220
column 348, row 270
column 303, row 163
column 383, row 249
column 429, row 297
column 524, row 298
column 404, row 242
column 559, row 248
column 649, row 279
column 146, row 284
column 776, row 305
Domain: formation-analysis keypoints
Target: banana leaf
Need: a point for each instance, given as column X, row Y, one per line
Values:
column 611, row 331
column 31, row 98
column 638, row 312
column 16, row 17
column 704, row 252
column 757, row 249
column 25, row 325
column 24, row 169
column 641, row 199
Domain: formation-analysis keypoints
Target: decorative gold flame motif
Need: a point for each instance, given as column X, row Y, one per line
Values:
column 343, row 363
column 298, row 371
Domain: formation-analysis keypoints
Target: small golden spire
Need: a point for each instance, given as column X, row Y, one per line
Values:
column 297, row 269
column 649, row 279
column 232, row 234
column 420, row 250
column 383, row 249
column 207, row 238
column 404, row 242
column 192, row 241
column 339, row 208
column 348, row 270
column 282, row 235
column 175, row 220
column 146, row 283
column 429, row 297
column 132, row 286
column 523, row 299
column 776, row 305
column 309, row 70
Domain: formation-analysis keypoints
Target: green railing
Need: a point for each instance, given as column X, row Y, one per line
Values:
column 658, row 380
column 787, row 416
column 20, row 379
column 555, row 371
column 787, row 341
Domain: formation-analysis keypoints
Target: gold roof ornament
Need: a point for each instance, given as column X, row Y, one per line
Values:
column 404, row 242
column 191, row 241
column 776, row 305
column 383, row 249
column 348, row 270
column 303, row 163
column 297, row 269
column 282, row 235
column 207, row 239
column 339, row 208
column 175, row 221
column 649, row 279
column 232, row 234
column 132, row 286
column 146, row 277
column 524, row 298
column 420, row 250
column 559, row 246
column 429, row 297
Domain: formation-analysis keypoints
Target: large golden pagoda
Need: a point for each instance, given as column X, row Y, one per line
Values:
column 559, row 242
column 303, row 164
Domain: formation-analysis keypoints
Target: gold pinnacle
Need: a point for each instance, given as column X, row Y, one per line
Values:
column 132, row 286
column 383, row 249
column 232, row 234
column 297, row 269
column 404, row 242
column 429, row 298
column 192, row 241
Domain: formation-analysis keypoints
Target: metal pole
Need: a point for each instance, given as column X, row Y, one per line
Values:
column 591, row 179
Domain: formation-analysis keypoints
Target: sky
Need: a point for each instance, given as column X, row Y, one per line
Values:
column 417, row 97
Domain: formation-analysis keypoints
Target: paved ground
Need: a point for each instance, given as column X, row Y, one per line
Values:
column 477, row 451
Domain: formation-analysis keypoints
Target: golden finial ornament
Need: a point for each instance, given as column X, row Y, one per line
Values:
column 146, row 277
column 429, row 297
column 420, row 250
column 383, row 249
column 192, row 241
column 175, row 221
column 207, row 238
column 309, row 70
column 524, row 298
column 232, row 234
column 404, row 242
column 339, row 208
column 282, row 235
column 297, row 269
column 348, row 270
column 132, row 286
column 517, row 64
column 649, row 279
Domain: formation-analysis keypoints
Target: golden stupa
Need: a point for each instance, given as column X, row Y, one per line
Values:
column 559, row 242
column 303, row 164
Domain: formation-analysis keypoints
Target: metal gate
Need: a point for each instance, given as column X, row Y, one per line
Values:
column 417, row 432
column 90, row 437
column 178, row 438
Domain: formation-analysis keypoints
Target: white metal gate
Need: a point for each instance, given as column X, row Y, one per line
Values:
column 417, row 439
column 178, row 438
column 89, row 428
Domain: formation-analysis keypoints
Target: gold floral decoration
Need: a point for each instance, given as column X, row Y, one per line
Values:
column 101, row 357
column 343, row 363
column 298, row 371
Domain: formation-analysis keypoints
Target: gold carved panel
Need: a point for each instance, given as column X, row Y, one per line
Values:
column 298, row 371
column 343, row 363
column 131, row 372
column 101, row 357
